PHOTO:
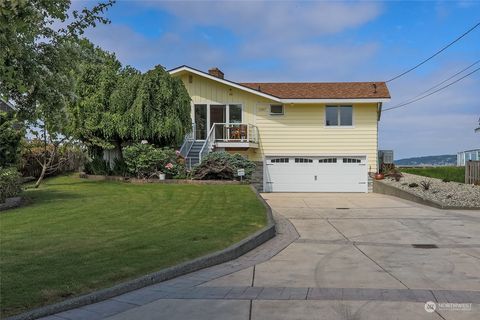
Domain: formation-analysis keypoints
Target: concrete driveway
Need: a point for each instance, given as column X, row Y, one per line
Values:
column 338, row 256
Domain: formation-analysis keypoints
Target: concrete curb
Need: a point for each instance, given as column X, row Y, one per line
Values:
column 234, row 251
column 383, row 188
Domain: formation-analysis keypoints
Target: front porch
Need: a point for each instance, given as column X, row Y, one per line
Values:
column 234, row 135
column 221, row 136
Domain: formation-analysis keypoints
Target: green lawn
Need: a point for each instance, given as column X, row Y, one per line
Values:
column 79, row 235
column 450, row 173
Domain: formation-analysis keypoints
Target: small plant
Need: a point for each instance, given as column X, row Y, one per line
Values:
column 390, row 171
column 425, row 185
column 413, row 185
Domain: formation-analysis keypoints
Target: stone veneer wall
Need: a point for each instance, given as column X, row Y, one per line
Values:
column 257, row 176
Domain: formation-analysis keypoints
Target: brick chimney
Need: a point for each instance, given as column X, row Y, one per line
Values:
column 216, row 72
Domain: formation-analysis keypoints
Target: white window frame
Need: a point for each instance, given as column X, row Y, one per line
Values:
column 277, row 114
column 338, row 116
column 227, row 111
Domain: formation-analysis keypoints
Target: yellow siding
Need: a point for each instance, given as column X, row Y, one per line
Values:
column 300, row 130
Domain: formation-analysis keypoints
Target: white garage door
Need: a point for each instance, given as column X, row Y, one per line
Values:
column 316, row 174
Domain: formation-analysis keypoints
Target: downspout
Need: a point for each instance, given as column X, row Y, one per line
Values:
column 379, row 111
column 379, row 114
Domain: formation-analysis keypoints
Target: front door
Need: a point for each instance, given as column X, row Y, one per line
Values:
column 218, row 114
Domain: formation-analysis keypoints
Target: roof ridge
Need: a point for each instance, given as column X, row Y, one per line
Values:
column 323, row 82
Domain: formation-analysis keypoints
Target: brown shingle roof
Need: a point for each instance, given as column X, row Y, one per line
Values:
column 322, row 90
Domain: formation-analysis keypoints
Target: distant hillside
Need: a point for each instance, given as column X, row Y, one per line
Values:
column 443, row 160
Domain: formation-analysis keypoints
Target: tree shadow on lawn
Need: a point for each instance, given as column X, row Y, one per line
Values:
column 42, row 197
column 51, row 183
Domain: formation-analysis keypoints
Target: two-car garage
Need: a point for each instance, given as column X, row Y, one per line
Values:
column 316, row 174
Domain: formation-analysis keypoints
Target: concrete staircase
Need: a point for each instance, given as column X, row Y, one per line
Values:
column 194, row 153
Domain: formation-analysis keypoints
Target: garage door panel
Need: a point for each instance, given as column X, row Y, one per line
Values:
column 316, row 174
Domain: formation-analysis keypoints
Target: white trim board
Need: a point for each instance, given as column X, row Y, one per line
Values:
column 226, row 82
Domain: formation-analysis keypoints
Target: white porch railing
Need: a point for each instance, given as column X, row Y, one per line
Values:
column 236, row 132
column 229, row 132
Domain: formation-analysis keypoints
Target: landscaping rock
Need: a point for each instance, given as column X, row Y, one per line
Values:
column 11, row 203
column 452, row 194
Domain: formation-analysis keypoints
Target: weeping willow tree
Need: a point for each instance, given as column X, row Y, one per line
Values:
column 95, row 82
column 115, row 105
column 160, row 111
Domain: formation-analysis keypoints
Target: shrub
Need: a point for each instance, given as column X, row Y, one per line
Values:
column 223, row 166
column 425, row 185
column 11, row 134
column 413, row 185
column 450, row 173
column 387, row 168
column 98, row 166
column 144, row 160
column 120, row 168
column 10, row 184
column 69, row 158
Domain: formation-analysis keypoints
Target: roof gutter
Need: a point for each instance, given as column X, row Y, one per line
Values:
column 339, row 100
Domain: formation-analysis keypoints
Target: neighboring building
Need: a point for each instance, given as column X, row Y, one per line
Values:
column 305, row 137
column 478, row 129
column 465, row 156
column 385, row 156
column 6, row 106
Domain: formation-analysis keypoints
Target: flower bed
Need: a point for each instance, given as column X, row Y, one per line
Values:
column 83, row 175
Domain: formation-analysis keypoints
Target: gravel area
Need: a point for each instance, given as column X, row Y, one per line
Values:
column 447, row 193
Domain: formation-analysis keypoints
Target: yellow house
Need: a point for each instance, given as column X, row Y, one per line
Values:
column 304, row 137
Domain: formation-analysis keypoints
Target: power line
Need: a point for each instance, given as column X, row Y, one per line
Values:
column 449, row 78
column 436, row 54
column 439, row 84
column 423, row 97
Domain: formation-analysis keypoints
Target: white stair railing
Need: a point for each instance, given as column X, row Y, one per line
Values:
column 208, row 144
column 188, row 142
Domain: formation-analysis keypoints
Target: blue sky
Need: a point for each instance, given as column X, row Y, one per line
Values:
column 320, row 41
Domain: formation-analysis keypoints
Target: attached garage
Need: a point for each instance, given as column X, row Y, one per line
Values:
column 316, row 174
